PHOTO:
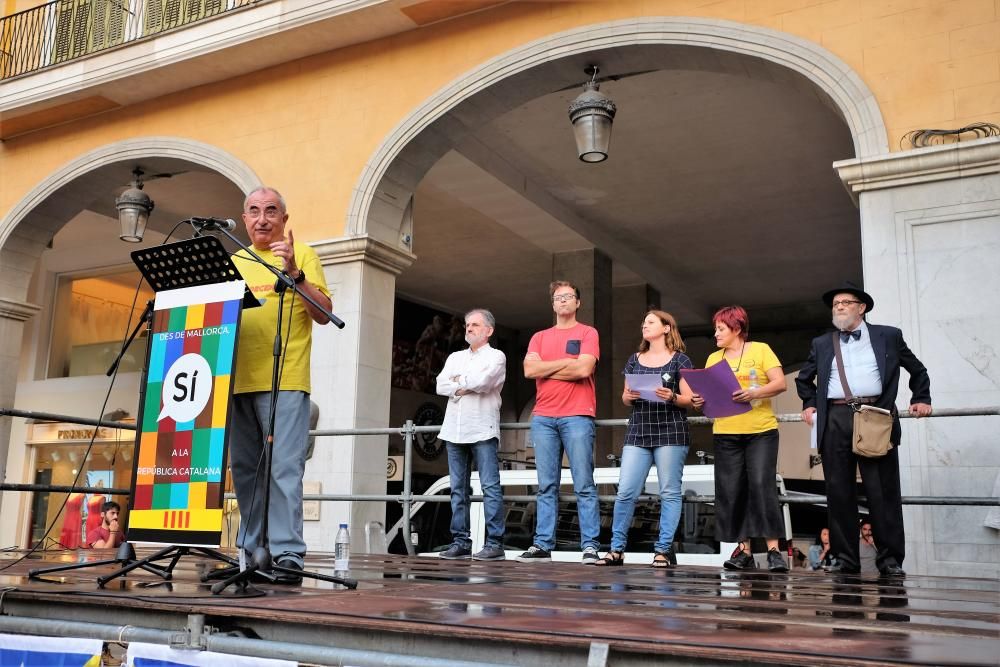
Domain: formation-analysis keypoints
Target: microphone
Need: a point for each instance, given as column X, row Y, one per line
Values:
column 212, row 224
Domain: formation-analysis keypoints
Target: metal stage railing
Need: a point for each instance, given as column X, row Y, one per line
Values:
column 409, row 430
column 60, row 31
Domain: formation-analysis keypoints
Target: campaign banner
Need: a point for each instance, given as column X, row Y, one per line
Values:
column 156, row 655
column 33, row 651
column 180, row 464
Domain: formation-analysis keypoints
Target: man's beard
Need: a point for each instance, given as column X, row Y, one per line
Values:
column 842, row 322
column 473, row 339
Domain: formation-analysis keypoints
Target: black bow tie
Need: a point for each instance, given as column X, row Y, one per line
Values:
column 848, row 335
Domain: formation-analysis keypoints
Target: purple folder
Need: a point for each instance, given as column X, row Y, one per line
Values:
column 716, row 385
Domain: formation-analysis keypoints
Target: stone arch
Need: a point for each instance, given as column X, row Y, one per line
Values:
column 381, row 199
column 21, row 244
column 130, row 149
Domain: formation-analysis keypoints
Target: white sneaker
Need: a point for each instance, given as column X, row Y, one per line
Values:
column 590, row 556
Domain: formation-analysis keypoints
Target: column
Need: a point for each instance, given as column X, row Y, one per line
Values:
column 351, row 369
column 630, row 305
column 590, row 271
column 13, row 314
column 930, row 234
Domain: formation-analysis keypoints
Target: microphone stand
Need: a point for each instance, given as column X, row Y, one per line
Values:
column 260, row 561
column 146, row 314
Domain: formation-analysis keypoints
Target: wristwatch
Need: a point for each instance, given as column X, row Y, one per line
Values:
column 301, row 279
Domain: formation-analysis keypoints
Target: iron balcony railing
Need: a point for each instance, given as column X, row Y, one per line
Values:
column 63, row 30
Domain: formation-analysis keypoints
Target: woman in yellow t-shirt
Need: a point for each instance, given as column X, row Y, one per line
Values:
column 746, row 445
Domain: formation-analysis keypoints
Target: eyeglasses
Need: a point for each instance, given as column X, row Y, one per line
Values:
column 563, row 298
column 270, row 213
column 846, row 302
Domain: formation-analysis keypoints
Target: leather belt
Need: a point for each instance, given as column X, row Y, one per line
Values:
column 857, row 400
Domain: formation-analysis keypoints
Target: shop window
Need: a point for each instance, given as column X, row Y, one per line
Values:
column 93, row 315
column 108, row 465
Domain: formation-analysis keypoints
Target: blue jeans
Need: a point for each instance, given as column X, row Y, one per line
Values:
column 460, row 457
column 550, row 436
column 636, row 462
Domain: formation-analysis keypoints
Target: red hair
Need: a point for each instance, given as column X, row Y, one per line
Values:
column 734, row 317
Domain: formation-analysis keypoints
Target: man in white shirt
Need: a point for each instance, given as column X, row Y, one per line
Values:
column 472, row 380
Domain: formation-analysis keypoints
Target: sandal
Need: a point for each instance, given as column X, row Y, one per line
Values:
column 613, row 558
column 664, row 559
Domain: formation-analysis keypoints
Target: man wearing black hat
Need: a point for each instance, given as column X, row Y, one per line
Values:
column 872, row 356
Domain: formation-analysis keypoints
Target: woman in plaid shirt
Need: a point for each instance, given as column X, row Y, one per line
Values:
column 657, row 434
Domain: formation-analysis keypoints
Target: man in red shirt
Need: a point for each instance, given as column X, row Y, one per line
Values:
column 562, row 360
column 109, row 534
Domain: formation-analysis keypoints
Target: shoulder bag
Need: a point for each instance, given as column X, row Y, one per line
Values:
column 872, row 426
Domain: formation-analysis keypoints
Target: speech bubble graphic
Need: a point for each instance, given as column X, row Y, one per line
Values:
column 186, row 388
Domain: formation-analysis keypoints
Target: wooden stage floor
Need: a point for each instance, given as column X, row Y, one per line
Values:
column 551, row 614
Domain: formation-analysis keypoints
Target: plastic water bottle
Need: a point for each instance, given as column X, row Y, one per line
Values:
column 754, row 385
column 342, row 549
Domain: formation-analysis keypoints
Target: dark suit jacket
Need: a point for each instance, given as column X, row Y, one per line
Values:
column 891, row 352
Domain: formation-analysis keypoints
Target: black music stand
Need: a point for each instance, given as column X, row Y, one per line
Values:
column 202, row 260
column 190, row 263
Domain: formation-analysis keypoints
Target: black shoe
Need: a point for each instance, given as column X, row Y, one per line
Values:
column 892, row 571
column 841, row 568
column 775, row 561
column 456, row 552
column 288, row 578
column 740, row 560
column 490, row 552
column 664, row 559
column 534, row 554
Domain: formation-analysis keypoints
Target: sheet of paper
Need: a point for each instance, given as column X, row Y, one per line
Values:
column 646, row 384
column 716, row 385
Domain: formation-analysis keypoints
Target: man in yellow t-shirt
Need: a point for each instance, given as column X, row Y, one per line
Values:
column 265, row 217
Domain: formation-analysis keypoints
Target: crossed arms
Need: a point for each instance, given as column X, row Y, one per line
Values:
column 569, row 369
column 451, row 382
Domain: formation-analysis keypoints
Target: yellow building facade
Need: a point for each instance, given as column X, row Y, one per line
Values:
column 348, row 107
column 927, row 64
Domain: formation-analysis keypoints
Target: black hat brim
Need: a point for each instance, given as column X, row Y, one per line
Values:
column 850, row 289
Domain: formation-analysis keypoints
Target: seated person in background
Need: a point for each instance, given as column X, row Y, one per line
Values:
column 867, row 551
column 819, row 553
column 109, row 534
